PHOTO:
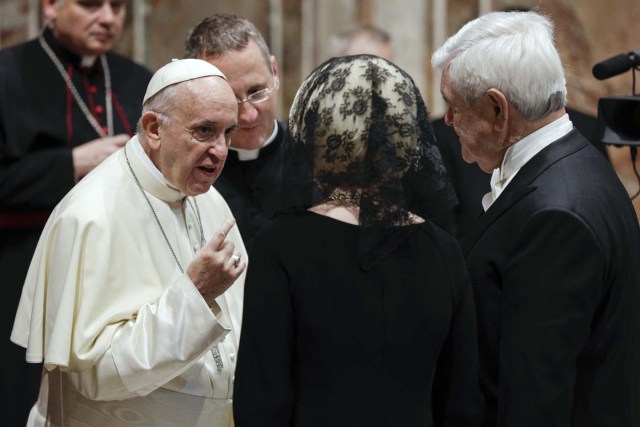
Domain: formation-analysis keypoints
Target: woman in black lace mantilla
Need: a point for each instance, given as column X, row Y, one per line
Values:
column 358, row 309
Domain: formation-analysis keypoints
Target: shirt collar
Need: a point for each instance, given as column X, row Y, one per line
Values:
column 245, row 155
column 521, row 152
column 525, row 149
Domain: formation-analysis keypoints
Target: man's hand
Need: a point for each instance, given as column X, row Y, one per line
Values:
column 89, row 155
column 216, row 266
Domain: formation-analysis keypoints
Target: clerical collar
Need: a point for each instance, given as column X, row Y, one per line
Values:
column 148, row 164
column 246, row 155
column 65, row 55
column 87, row 61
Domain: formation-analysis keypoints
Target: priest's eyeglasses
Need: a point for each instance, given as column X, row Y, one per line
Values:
column 259, row 96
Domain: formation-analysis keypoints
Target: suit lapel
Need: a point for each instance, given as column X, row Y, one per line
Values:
column 523, row 183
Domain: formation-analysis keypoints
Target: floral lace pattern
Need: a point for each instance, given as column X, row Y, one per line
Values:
column 359, row 128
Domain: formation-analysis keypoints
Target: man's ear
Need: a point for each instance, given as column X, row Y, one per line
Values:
column 50, row 9
column 274, row 69
column 151, row 126
column 500, row 106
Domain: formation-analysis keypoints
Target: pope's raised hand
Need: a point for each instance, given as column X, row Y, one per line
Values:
column 217, row 265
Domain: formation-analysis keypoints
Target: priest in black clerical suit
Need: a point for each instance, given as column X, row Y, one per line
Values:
column 252, row 176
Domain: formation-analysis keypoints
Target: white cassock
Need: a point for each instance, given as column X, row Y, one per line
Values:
column 125, row 337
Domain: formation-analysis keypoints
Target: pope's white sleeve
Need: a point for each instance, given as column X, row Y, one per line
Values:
column 163, row 340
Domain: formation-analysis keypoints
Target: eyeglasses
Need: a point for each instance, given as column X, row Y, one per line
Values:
column 259, row 96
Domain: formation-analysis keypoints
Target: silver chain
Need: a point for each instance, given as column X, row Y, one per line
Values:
column 197, row 211
column 153, row 211
column 83, row 106
column 214, row 350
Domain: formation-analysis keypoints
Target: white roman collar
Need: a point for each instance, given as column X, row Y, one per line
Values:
column 245, row 155
column 149, row 175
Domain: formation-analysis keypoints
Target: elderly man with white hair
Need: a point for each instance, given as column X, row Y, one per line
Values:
column 554, row 257
column 134, row 295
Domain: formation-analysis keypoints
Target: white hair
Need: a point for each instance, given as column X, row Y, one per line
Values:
column 513, row 52
column 164, row 103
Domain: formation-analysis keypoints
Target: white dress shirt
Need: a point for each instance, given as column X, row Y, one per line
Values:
column 521, row 152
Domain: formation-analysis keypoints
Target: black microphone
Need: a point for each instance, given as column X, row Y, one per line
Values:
column 616, row 65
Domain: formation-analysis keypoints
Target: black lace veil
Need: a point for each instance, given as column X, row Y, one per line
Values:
column 359, row 135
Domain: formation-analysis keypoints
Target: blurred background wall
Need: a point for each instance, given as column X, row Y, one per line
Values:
column 297, row 31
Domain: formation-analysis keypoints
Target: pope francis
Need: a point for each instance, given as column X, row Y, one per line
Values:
column 133, row 299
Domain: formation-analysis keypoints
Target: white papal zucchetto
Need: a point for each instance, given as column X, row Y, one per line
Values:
column 177, row 71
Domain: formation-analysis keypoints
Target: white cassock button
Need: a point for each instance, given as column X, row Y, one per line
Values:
column 232, row 356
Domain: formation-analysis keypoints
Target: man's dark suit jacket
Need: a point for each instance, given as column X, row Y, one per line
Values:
column 555, row 265
column 471, row 183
